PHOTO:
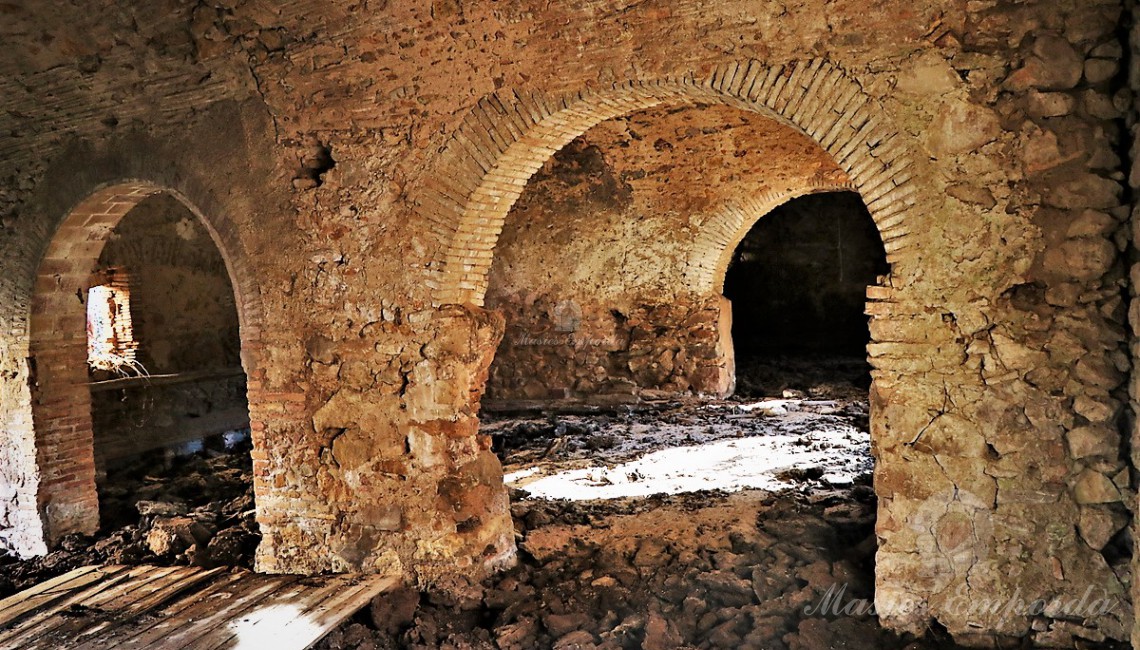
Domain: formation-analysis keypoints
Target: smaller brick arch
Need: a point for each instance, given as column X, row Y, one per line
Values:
column 509, row 135
column 66, row 497
column 712, row 252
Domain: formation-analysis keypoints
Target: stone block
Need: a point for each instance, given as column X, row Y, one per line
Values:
column 1102, row 441
column 1092, row 487
column 1099, row 524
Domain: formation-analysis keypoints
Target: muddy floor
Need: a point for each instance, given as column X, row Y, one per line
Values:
column 686, row 446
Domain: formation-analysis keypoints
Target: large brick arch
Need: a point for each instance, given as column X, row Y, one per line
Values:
column 62, row 481
column 716, row 242
column 508, row 136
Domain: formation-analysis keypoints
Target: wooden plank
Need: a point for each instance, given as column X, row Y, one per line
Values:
column 329, row 615
column 56, row 630
column 157, row 623
column 174, row 588
column 154, row 592
column 166, row 380
column 9, row 638
column 153, row 579
column 41, row 587
column 104, row 609
column 184, row 607
column 104, row 577
column 177, row 614
column 197, row 621
column 340, row 600
column 273, row 612
column 260, row 590
column 282, row 624
column 19, row 604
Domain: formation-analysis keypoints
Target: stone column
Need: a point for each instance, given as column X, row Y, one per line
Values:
column 390, row 474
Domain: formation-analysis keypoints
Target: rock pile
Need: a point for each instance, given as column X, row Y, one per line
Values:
column 194, row 510
column 703, row 570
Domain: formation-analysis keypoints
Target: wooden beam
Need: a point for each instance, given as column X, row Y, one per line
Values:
column 148, row 381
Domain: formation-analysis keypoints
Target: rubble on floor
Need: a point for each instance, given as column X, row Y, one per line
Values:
column 164, row 509
column 815, row 376
column 785, row 568
column 698, row 570
column 780, row 569
column 791, row 569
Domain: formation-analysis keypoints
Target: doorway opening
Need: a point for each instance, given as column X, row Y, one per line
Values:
column 798, row 284
column 170, row 419
column 623, row 469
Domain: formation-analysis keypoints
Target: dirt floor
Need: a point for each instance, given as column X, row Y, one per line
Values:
column 659, row 565
column 685, row 446
column 701, row 570
column 779, row 556
column 815, row 376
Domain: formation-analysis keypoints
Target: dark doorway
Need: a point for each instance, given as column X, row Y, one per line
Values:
column 798, row 284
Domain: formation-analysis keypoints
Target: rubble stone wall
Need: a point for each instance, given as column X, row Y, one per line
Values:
column 356, row 168
column 51, row 262
column 554, row 348
column 602, row 267
column 1128, row 102
column 1011, row 214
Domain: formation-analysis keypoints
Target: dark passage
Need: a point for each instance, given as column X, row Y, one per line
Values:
column 798, row 289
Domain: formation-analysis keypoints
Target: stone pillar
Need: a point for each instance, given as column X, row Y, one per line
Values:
column 725, row 359
column 390, row 473
column 21, row 529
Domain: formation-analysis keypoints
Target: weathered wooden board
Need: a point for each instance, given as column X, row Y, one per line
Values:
column 141, row 607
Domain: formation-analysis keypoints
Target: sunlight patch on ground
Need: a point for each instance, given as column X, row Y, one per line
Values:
column 266, row 627
column 838, row 452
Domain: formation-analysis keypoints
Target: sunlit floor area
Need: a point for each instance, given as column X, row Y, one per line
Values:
column 686, row 447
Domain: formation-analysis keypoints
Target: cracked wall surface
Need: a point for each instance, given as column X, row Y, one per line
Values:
column 356, row 167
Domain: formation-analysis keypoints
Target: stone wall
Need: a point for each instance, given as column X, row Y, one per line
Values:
column 1027, row 420
column 356, row 167
column 1131, row 112
column 397, row 461
column 596, row 267
column 556, row 349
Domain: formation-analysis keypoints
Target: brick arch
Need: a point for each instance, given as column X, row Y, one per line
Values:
column 509, row 135
column 715, row 244
column 65, row 497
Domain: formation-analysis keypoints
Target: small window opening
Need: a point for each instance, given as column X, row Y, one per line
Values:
column 111, row 344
